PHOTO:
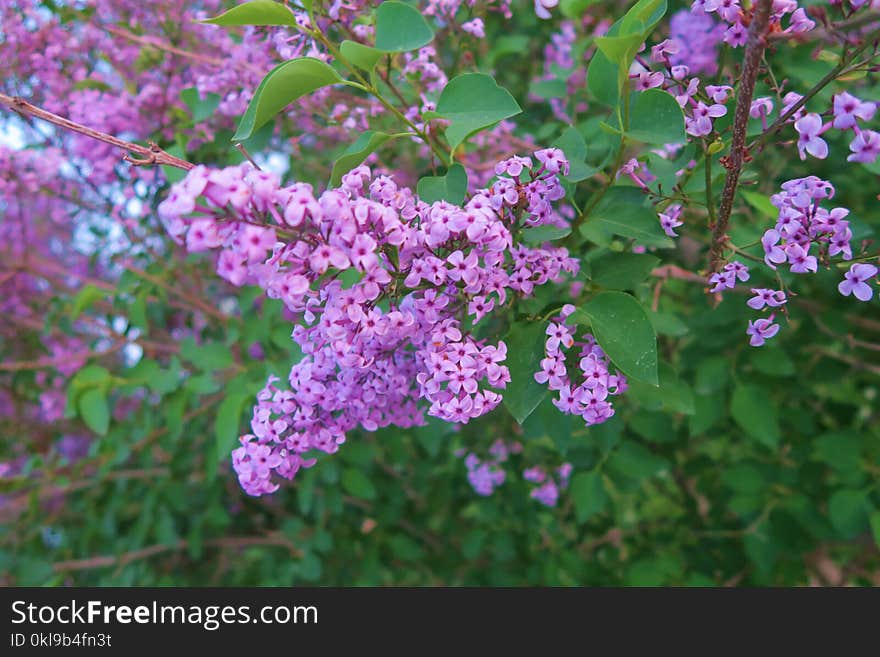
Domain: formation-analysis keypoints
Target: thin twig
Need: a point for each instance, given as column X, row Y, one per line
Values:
column 150, row 155
column 755, row 46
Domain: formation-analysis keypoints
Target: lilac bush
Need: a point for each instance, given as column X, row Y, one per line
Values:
column 552, row 281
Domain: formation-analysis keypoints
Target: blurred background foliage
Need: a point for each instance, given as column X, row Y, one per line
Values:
column 747, row 466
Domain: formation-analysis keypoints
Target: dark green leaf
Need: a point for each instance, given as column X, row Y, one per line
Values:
column 525, row 349
column 357, row 484
column 624, row 332
column 848, row 511
column 588, row 494
column 622, row 211
column 622, row 271
column 753, row 409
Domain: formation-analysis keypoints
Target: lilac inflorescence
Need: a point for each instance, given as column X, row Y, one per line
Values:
column 586, row 396
column 383, row 286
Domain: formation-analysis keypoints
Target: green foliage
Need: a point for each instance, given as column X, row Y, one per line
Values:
column 256, row 12
column 623, row 211
column 401, row 27
column 450, row 187
column 623, row 330
column 525, row 348
column 471, row 102
column 281, row 86
column 364, row 145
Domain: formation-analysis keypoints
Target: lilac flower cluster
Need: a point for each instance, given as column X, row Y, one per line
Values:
column 485, row 475
column 847, row 112
column 727, row 277
column 549, row 484
column 588, row 396
column 384, row 287
column 805, row 234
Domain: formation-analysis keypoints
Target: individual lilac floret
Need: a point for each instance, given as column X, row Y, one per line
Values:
column 669, row 220
column 856, row 281
column 809, row 129
column 848, row 109
column 543, row 7
column 761, row 330
column 475, row 28
column 800, row 259
column 865, row 147
column 766, row 297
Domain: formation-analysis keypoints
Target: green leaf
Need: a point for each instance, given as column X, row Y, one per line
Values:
column 573, row 145
column 360, row 55
column 365, row 144
column 208, row 357
column 672, row 395
column 619, row 49
column 200, row 109
column 634, row 461
column 761, row 203
column 848, row 510
column 574, row 8
column 609, row 68
column 85, row 298
column 545, row 233
column 588, row 494
column 642, row 17
column 753, row 410
column 471, row 102
column 623, row 330
column 94, row 409
column 227, row 423
column 622, row 271
column 257, row 12
column 602, row 79
column 875, row 527
column 840, row 449
column 401, row 27
column 450, row 187
column 668, row 324
column 655, row 117
column 357, row 484
column 525, row 349
column 622, row 212
column 281, row 86
column 547, row 89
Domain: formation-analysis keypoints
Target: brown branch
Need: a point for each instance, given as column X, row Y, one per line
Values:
column 150, row 155
column 235, row 542
column 755, row 46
